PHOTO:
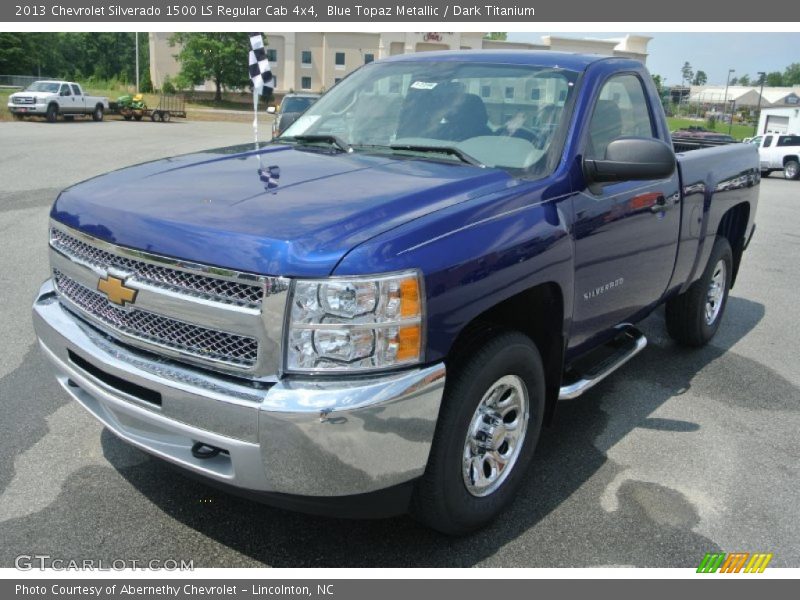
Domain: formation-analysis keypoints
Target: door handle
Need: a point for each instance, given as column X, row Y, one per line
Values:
column 663, row 204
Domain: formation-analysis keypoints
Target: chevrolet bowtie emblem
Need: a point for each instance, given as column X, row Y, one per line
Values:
column 115, row 290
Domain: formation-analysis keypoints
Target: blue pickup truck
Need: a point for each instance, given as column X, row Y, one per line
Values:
column 378, row 311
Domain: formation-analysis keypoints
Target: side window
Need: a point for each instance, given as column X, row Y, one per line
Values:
column 767, row 141
column 65, row 90
column 621, row 111
column 76, row 90
column 789, row 140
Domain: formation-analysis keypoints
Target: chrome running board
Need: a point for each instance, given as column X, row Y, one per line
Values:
column 630, row 342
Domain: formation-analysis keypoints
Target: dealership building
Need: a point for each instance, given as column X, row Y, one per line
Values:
column 315, row 62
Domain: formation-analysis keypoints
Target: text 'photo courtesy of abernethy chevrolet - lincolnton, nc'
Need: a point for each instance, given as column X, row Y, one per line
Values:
column 378, row 311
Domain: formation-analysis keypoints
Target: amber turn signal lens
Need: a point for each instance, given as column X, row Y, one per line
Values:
column 409, row 298
column 408, row 338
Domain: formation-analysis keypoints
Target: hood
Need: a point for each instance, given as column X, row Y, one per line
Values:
column 36, row 95
column 297, row 215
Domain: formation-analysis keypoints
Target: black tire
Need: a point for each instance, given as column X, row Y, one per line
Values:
column 441, row 499
column 127, row 117
column 138, row 117
column 791, row 170
column 52, row 113
column 686, row 314
column 165, row 116
column 97, row 114
column 153, row 116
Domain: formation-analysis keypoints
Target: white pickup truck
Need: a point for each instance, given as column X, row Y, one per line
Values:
column 777, row 152
column 52, row 98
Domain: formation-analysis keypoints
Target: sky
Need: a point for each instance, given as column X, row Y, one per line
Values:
column 713, row 53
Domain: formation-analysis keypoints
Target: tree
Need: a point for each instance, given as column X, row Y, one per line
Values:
column 791, row 76
column 496, row 35
column 733, row 81
column 686, row 73
column 700, row 78
column 658, row 81
column 744, row 80
column 775, row 79
column 218, row 56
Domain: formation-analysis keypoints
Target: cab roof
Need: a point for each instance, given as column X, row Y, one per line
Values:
column 539, row 58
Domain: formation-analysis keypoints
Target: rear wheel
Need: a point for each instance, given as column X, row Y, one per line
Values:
column 165, row 116
column 488, row 426
column 52, row 113
column 127, row 117
column 97, row 115
column 791, row 170
column 138, row 117
column 694, row 316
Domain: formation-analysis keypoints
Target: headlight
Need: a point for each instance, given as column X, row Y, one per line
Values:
column 355, row 324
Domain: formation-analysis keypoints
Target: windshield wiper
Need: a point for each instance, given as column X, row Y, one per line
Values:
column 330, row 139
column 452, row 150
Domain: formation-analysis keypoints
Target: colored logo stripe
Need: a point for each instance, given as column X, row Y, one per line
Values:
column 734, row 562
column 758, row 563
column 711, row 562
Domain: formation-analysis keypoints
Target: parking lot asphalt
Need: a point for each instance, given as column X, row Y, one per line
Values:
column 679, row 453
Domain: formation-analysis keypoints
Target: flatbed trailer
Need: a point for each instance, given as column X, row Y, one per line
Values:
column 169, row 105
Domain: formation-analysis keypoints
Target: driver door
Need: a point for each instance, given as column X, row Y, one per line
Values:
column 626, row 233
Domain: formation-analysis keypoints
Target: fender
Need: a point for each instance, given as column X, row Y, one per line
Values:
column 479, row 253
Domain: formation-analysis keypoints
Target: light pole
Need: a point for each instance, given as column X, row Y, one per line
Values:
column 725, row 99
column 137, row 61
column 762, row 76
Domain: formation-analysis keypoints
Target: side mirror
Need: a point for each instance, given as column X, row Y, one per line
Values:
column 271, row 110
column 631, row 159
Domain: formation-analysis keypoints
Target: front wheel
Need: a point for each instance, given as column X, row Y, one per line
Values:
column 694, row 316
column 488, row 427
column 791, row 170
column 97, row 115
column 52, row 113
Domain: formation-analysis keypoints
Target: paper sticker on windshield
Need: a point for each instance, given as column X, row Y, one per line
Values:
column 423, row 85
column 305, row 122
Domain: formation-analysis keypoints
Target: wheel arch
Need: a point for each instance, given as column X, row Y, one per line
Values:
column 538, row 312
column 790, row 157
column 733, row 227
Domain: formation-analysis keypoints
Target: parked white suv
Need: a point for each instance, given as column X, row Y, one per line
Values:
column 52, row 98
column 778, row 152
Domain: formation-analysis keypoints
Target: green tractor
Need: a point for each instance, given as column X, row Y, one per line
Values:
column 132, row 107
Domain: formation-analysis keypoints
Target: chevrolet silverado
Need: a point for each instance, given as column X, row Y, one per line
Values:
column 378, row 311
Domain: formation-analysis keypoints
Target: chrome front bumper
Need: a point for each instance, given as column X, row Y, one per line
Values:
column 320, row 438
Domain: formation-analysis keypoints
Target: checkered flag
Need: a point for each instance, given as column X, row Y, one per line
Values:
column 269, row 176
column 260, row 73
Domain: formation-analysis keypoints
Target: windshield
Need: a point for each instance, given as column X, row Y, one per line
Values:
column 500, row 115
column 296, row 104
column 43, row 86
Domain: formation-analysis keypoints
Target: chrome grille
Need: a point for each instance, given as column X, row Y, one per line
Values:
column 208, row 344
column 24, row 100
column 194, row 284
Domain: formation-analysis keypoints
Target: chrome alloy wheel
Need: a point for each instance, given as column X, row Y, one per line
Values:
column 495, row 435
column 716, row 292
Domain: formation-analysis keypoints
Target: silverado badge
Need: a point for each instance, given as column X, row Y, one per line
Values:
column 115, row 290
